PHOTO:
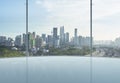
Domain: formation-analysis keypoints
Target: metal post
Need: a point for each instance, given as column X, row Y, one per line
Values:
column 91, row 42
column 27, row 52
column 91, row 37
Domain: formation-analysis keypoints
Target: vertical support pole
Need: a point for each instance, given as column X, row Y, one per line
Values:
column 27, row 53
column 91, row 42
column 27, row 49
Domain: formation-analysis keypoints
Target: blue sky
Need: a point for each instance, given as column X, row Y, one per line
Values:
column 46, row 14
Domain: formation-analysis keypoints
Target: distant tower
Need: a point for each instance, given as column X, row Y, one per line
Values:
column 44, row 37
column 38, row 42
column 55, row 37
column 18, row 40
column 62, row 36
column 67, row 37
column 33, row 39
column 3, row 40
column 75, row 34
column 24, row 39
column 49, row 40
column 75, row 37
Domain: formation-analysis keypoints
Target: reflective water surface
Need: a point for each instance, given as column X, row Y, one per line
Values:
column 59, row 69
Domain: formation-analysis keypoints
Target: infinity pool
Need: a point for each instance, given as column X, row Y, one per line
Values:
column 59, row 69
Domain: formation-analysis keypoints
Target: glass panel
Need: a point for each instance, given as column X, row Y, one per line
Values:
column 59, row 37
column 106, row 15
column 12, row 41
column 59, row 27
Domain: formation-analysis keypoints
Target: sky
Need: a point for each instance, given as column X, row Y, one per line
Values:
column 46, row 14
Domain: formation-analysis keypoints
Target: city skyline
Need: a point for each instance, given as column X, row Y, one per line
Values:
column 44, row 14
column 56, row 40
column 71, row 35
column 58, row 32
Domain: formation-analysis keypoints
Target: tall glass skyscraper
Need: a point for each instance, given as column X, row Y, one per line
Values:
column 75, row 37
column 62, row 36
column 55, row 37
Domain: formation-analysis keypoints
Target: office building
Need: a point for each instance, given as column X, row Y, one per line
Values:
column 75, row 38
column 38, row 42
column 50, row 41
column 18, row 41
column 62, row 36
column 44, row 37
column 2, row 40
column 55, row 37
column 66, row 37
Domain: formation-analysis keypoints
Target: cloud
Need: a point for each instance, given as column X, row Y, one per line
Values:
column 80, row 7
column 67, row 11
column 75, row 13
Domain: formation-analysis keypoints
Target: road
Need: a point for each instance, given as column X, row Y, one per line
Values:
column 107, row 52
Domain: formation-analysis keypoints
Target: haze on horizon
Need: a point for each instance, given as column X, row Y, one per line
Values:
column 46, row 14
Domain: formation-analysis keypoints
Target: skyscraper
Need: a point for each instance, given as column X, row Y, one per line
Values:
column 29, row 40
column 67, row 37
column 33, row 39
column 62, row 36
column 44, row 37
column 2, row 40
column 55, row 37
column 49, row 41
column 18, row 40
column 75, row 37
column 38, row 42
column 24, row 39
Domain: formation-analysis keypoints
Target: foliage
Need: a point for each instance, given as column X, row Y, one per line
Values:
column 7, row 52
column 69, row 51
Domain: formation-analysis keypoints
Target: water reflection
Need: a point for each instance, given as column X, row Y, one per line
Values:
column 59, row 69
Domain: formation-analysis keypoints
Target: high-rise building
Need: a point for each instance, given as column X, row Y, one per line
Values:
column 24, row 39
column 34, row 35
column 88, row 41
column 2, row 40
column 38, row 42
column 75, row 37
column 10, row 42
column 31, row 40
column 67, row 38
column 117, row 42
column 84, row 41
column 80, row 41
column 62, row 36
column 50, row 41
column 44, row 37
column 18, row 40
column 55, row 37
